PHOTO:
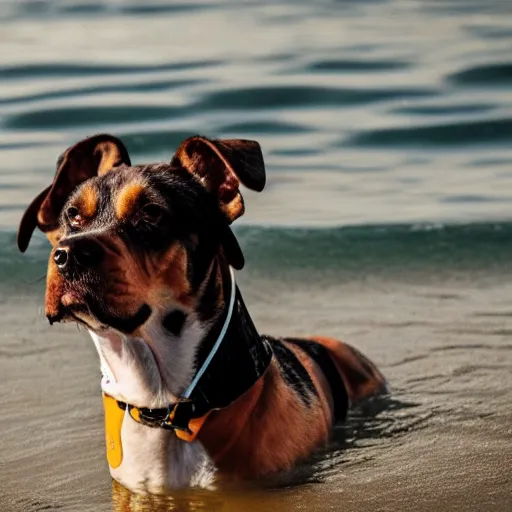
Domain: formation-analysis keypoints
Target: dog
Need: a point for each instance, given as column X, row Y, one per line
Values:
column 144, row 256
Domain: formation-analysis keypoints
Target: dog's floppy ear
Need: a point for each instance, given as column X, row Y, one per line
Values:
column 221, row 165
column 90, row 157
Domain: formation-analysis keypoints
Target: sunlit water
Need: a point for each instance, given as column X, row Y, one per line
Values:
column 386, row 128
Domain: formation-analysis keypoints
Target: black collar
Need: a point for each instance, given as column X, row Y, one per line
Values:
column 239, row 363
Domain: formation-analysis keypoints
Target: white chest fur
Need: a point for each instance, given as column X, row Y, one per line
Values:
column 154, row 460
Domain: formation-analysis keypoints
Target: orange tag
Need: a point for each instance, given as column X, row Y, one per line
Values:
column 114, row 416
column 194, row 425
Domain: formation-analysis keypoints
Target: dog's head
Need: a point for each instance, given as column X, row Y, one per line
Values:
column 128, row 239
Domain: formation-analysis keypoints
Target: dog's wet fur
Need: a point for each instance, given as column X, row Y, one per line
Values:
column 141, row 256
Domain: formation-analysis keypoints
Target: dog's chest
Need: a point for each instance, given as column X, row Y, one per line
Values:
column 152, row 459
column 155, row 460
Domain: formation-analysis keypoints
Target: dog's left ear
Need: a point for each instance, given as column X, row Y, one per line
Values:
column 221, row 165
column 90, row 157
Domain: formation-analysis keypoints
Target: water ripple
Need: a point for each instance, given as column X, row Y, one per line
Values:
column 344, row 98
column 69, row 117
column 345, row 66
column 81, row 92
column 482, row 132
column 300, row 96
column 68, row 70
column 488, row 74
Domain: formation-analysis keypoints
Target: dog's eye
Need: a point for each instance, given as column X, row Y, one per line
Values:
column 151, row 213
column 74, row 217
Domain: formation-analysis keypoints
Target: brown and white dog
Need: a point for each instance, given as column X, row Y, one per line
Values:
column 143, row 257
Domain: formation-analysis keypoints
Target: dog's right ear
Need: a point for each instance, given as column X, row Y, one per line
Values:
column 220, row 166
column 94, row 156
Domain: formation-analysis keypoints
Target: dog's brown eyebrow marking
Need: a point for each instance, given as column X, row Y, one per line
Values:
column 127, row 198
column 88, row 201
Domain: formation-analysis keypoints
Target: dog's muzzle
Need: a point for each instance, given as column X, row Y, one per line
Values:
column 75, row 254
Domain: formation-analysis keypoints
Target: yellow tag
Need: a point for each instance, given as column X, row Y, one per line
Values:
column 113, row 422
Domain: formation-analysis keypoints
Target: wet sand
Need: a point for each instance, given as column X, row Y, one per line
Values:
column 442, row 441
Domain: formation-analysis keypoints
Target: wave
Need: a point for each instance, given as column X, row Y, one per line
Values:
column 349, row 252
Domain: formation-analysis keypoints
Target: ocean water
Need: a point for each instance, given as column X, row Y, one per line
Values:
column 367, row 111
column 386, row 128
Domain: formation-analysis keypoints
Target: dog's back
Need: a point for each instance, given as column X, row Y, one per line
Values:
column 308, row 387
column 351, row 376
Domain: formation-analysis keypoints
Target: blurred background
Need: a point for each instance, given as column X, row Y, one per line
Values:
column 368, row 112
column 386, row 127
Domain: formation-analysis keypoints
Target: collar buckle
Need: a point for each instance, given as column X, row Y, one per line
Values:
column 164, row 417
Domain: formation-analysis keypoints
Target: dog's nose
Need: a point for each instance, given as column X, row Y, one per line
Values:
column 61, row 257
column 84, row 253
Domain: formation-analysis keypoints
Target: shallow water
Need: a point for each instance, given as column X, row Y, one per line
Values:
column 386, row 221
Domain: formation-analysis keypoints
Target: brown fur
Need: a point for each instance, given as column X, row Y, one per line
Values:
column 54, row 290
column 361, row 377
column 127, row 199
column 201, row 157
column 87, row 201
column 54, row 236
column 133, row 279
column 111, row 156
column 319, row 380
column 216, row 165
column 271, row 412
column 172, row 275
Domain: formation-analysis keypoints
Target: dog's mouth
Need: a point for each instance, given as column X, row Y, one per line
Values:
column 127, row 323
column 95, row 317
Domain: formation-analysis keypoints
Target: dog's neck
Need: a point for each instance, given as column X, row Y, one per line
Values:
column 151, row 377
column 239, row 362
column 154, row 368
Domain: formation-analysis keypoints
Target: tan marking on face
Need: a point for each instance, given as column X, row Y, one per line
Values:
column 127, row 199
column 54, row 289
column 173, row 274
column 87, row 201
